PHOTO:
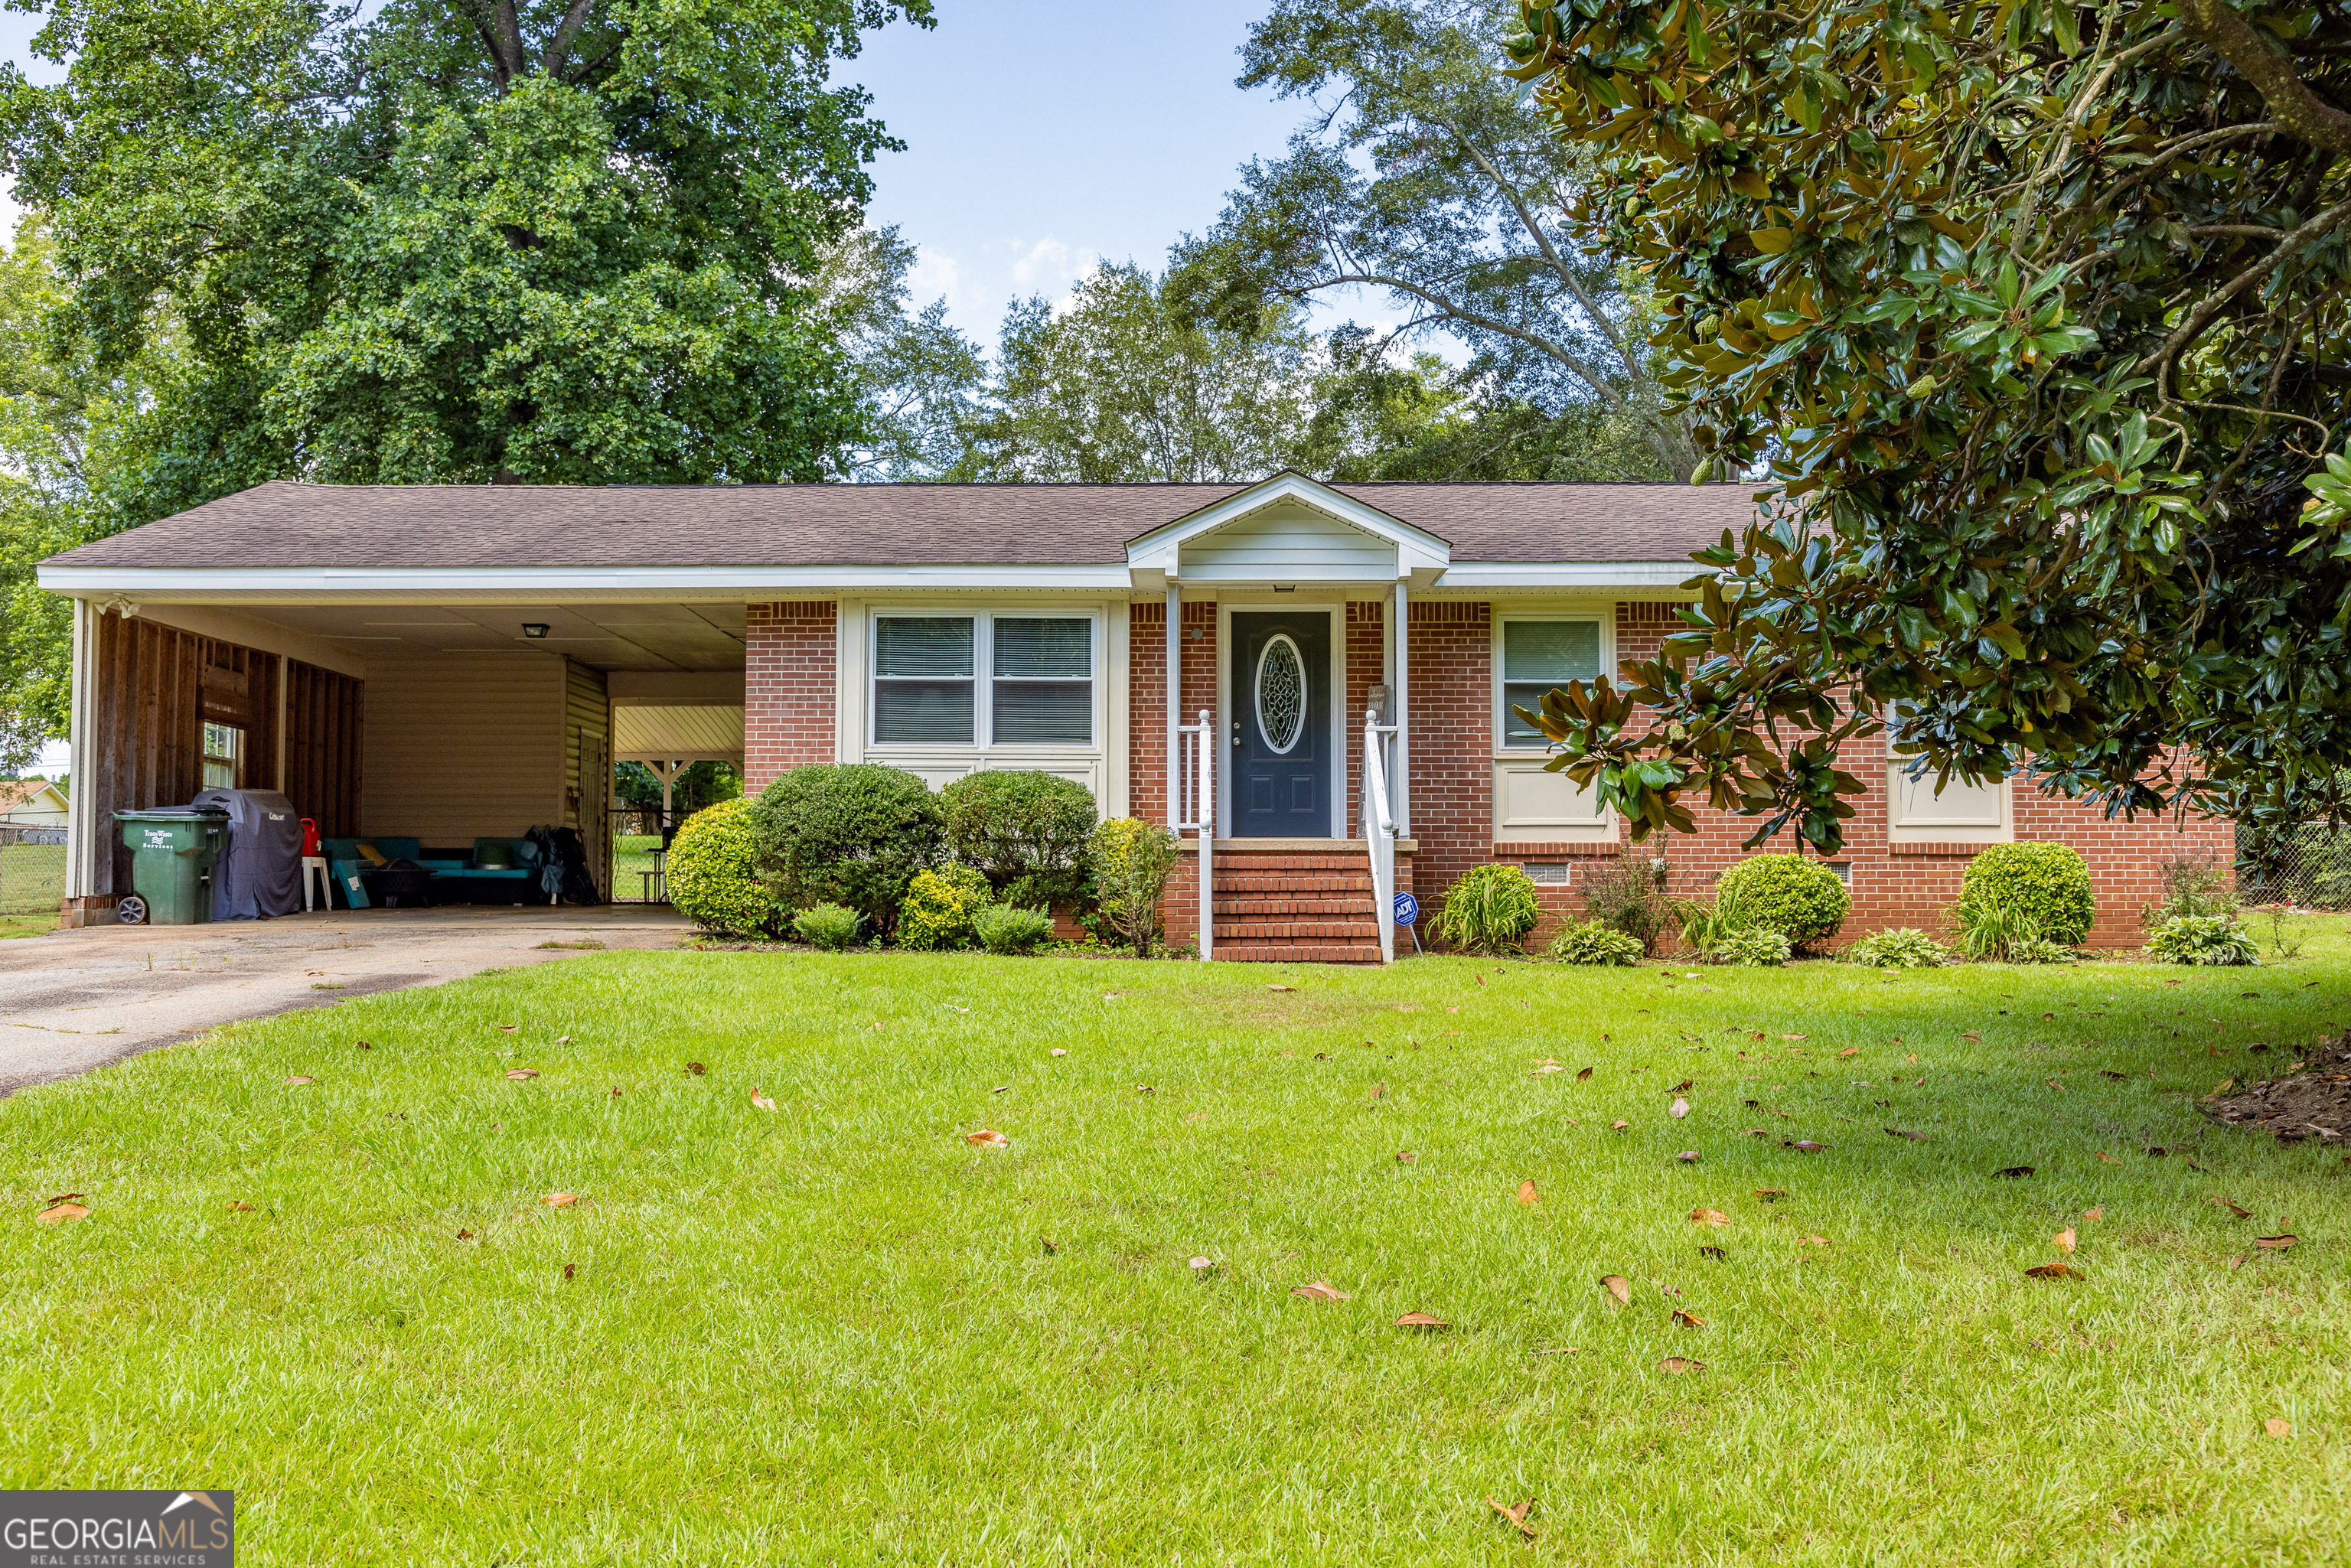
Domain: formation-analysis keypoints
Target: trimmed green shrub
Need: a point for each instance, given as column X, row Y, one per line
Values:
column 2047, row 884
column 1009, row 929
column 1489, row 910
column 1801, row 899
column 939, row 909
column 1129, row 861
column 853, row 835
column 1025, row 830
column 1903, row 947
column 713, row 872
column 830, row 926
column 2201, row 939
column 1595, row 942
column 1756, row 947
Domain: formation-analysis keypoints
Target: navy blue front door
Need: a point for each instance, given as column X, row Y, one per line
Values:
column 1280, row 752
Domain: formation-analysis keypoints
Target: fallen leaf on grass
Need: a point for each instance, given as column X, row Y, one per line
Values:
column 696, row 1069
column 521, row 1075
column 510, row 1028
column 1542, row 1068
column 2106, row 1158
column 1680, row 1363
column 2094, row 1215
column 465, row 1235
column 1680, row 1107
column 1201, row 1267
column 569, row 1270
column 1050, row 1244
column 1716, row 1253
column 1795, row 1037
column 561, row 1200
column 1770, row 1194
column 1973, row 1036
column 2055, row 1271
column 2223, row 1203
column 1407, row 1157
column 2065, row 1239
column 240, row 1206
column 2238, row 1261
column 1804, row 1146
column 1709, row 1217
column 2275, row 1243
column 1422, row 1321
column 61, row 1210
column 2278, row 1427
column 1618, row 1126
column 1813, row 1241
column 1517, row 1516
column 1688, row 1320
column 1586, row 1073
column 1057, row 1051
column 1914, row 1137
column 2055, row 1084
column 1850, row 1050
column 1319, row 1290
column 563, row 1039
column 1282, row 988
column 1528, row 1195
column 1688, row 1156
column 1685, row 1084
column 1619, row 1287
column 2014, row 1171
column 297, row 1080
column 761, row 1101
column 988, row 1138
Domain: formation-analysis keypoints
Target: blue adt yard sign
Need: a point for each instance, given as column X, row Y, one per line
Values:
column 1408, row 909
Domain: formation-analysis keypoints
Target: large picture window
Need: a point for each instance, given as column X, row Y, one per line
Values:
column 1538, row 654
column 983, row 680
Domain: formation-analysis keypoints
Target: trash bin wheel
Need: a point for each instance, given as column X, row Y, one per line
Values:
column 132, row 910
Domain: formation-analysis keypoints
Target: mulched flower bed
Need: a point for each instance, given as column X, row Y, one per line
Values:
column 2312, row 1102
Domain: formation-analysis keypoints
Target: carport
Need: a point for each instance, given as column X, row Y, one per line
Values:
column 441, row 714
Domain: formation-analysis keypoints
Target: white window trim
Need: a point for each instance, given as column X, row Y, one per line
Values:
column 983, row 678
column 1514, row 759
column 1499, row 719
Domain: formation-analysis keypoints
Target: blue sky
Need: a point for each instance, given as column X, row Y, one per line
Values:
column 1041, row 136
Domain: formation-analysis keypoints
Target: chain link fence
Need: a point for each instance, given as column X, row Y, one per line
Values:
column 32, row 870
column 2308, row 866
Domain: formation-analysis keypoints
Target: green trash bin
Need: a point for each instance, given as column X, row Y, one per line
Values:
column 173, row 853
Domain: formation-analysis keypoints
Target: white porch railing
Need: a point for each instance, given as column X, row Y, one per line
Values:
column 1379, row 828
column 1195, row 807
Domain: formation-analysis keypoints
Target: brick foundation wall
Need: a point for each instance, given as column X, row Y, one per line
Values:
column 789, row 664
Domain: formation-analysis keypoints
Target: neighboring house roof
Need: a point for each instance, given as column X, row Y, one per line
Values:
column 30, row 796
column 287, row 525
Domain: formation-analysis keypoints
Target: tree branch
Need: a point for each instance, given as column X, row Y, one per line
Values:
column 2301, row 113
column 2193, row 327
column 561, row 45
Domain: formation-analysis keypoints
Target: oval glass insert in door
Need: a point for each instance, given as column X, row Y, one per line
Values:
column 1281, row 694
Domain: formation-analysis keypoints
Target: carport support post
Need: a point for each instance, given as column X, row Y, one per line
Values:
column 83, row 831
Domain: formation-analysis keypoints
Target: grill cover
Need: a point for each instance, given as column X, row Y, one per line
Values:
column 261, row 873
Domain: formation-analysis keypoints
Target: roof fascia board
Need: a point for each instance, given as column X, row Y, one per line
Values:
column 333, row 583
column 1632, row 574
column 1158, row 550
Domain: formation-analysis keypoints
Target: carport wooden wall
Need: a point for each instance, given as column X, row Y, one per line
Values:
column 587, row 798
column 323, row 713
column 155, row 686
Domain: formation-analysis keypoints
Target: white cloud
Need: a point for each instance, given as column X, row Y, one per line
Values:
column 938, row 276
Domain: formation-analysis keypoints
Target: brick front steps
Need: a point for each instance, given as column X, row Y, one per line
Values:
column 1291, row 905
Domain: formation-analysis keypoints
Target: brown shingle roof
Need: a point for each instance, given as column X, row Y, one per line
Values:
column 286, row 524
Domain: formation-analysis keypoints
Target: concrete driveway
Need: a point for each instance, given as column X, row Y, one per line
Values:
column 72, row 1000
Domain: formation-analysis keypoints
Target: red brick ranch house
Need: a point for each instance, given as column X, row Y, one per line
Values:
column 444, row 664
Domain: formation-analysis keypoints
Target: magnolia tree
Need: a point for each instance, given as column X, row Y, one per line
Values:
column 2034, row 316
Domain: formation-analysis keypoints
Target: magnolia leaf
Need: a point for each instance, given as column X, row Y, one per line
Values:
column 1319, row 1290
column 1619, row 1289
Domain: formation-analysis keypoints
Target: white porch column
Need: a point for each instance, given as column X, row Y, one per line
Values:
column 1174, row 700
column 83, row 832
column 1399, row 619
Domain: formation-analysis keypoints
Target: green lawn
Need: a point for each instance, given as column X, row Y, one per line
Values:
column 634, row 853
column 838, row 1332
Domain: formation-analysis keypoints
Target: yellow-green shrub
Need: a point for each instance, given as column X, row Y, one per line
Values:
column 713, row 872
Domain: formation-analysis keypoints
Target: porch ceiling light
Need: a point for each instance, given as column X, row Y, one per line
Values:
column 534, row 628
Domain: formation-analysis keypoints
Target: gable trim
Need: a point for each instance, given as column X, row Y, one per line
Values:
column 1155, row 557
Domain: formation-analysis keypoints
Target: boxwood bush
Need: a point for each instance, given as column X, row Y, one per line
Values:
column 1799, row 898
column 2047, row 886
column 1025, row 830
column 940, row 908
column 1490, row 909
column 713, row 873
column 853, row 835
